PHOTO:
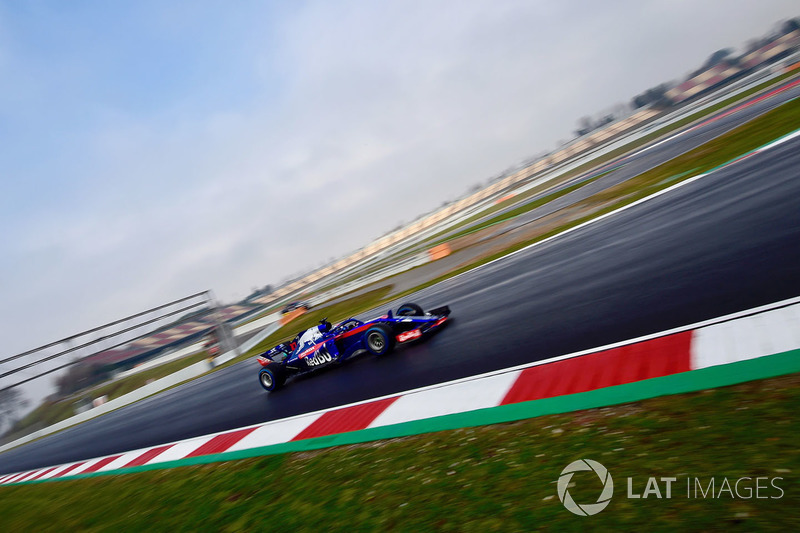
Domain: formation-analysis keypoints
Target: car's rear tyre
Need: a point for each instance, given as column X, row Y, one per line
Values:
column 379, row 339
column 271, row 379
column 409, row 309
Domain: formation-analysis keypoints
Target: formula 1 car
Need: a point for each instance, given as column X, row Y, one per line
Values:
column 293, row 306
column 323, row 345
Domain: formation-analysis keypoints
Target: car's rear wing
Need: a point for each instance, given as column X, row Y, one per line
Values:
column 268, row 357
column 282, row 348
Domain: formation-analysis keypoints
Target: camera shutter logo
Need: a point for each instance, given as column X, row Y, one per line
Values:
column 586, row 509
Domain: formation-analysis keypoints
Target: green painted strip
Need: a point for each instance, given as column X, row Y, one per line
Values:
column 706, row 378
column 676, row 176
column 754, row 150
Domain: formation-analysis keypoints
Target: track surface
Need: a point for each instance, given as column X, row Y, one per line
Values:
column 722, row 244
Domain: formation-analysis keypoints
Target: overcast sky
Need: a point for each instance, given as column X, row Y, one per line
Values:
column 149, row 150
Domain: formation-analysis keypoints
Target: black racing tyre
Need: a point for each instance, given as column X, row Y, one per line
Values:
column 379, row 339
column 409, row 309
column 271, row 378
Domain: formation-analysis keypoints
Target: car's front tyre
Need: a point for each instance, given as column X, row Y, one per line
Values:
column 379, row 339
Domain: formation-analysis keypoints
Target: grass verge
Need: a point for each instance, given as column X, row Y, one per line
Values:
column 521, row 209
column 492, row 478
column 131, row 383
column 758, row 132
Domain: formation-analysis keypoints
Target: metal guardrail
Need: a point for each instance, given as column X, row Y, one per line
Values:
column 49, row 358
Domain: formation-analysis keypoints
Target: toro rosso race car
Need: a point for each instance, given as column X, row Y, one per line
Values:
column 323, row 345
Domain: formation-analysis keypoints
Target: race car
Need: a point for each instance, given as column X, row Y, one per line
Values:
column 293, row 306
column 323, row 345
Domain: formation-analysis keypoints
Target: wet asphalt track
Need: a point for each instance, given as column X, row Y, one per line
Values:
column 728, row 242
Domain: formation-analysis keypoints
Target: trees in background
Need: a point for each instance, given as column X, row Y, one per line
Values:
column 655, row 95
column 79, row 377
column 11, row 403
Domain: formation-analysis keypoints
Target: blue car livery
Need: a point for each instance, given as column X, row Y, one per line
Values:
column 324, row 344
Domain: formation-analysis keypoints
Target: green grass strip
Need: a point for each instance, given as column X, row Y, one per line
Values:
column 524, row 208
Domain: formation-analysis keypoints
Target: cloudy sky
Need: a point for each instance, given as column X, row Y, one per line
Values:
column 149, row 150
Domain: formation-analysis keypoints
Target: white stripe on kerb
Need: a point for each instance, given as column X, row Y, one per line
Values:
column 124, row 459
column 57, row 471
column 20, row 477
column 85, row 466
column 180, row 450
column 275, row 433
column 26, row 475
column 458, row 398
column 745, row 338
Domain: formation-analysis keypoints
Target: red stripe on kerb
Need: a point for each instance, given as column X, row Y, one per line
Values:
column 70, row 469
column 25, row 476
column 149, row 454
column 12, row 478
column 346, row 419
column 43, row 473
column 644, row 360
column 101, row 463
column 220, row 443
column 30, row 475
